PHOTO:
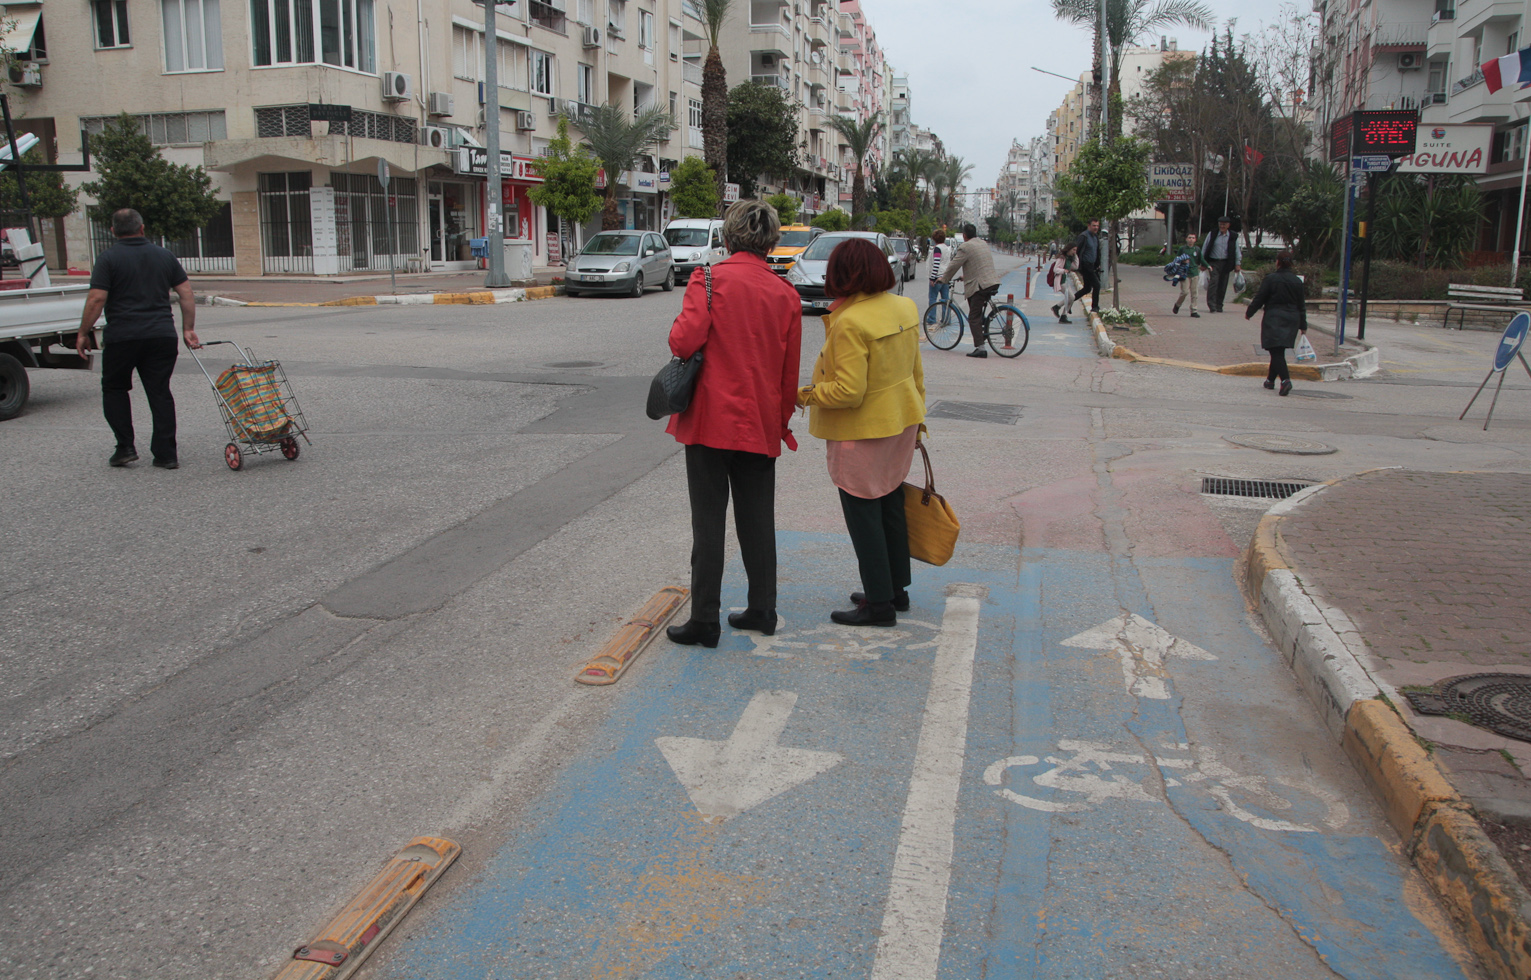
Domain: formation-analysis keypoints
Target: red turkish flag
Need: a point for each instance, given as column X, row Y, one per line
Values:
column 1252, row 156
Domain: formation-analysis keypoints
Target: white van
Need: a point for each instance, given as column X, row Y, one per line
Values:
column 694, row 242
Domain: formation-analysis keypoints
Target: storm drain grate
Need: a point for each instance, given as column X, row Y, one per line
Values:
column 976, row 412
column 1499, row 702
column 1230, row 487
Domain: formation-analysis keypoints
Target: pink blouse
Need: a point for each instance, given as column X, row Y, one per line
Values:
column 871, row 468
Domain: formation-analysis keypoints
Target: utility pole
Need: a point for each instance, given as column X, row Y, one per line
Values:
column 495, row 233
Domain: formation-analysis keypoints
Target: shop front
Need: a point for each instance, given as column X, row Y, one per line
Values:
column 453, row 217
column 522, row 220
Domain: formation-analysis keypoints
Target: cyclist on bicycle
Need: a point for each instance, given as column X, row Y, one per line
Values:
column 974, row 259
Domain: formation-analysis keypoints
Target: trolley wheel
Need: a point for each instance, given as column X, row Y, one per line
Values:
column 290, row 447
column 232, row 457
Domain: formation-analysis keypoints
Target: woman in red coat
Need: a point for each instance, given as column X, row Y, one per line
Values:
column 751, row 333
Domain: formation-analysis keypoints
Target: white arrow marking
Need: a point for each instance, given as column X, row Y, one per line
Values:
column 1143, row 647
column 726, row 778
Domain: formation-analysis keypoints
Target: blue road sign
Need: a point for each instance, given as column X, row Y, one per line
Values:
column 1371, row 163
column 1510, row 343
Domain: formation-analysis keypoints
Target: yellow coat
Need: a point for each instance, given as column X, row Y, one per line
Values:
column 868, row 382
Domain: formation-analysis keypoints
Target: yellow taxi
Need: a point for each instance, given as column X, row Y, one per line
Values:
column 794, row 238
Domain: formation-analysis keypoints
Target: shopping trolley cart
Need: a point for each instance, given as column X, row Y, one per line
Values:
column 258, row 407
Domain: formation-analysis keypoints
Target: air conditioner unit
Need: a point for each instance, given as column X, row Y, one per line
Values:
column 27, row 75
column 1410, row 61
column 440, row 104
column 436, row 137
column 397, row 87
column 591, row 37
column 526, row 120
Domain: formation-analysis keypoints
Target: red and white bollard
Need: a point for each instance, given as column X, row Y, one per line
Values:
column 1028, row 284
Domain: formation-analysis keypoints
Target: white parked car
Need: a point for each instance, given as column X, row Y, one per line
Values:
column 694, row 242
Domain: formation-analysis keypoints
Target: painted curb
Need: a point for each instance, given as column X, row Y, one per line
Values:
column 482, row 297
column 1328, row 654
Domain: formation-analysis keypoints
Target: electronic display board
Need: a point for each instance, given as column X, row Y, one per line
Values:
column 1389, row 131
column 1339, row 138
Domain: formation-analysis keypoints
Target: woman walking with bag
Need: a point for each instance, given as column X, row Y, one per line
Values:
column 1058, row 278
column 867, row 401
column 1285, row 302
column 750, row 325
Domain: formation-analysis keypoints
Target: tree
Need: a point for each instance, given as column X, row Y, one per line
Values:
column 715, row 94
column 1312, row 213
column 894, row 221
column 762, row 134
column 954, row 171
column 617, row 139
column 832, row 220
column 568, row 181
column 174, row 200
column 49, row 195
column 1109, row 181
column 786, row 207
column 924, row 227
column 694, row 189
column 859, row 136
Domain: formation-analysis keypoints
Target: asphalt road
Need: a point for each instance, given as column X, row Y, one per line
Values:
column 228, row 697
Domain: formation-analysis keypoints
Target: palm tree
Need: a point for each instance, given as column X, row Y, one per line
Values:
column 617, row 140
column 859, row 136
column 955, row 171
column 715, row 96
column 913, row 166
column 1126, row 22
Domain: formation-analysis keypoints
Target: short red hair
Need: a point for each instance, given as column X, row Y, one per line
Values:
column 857, row 266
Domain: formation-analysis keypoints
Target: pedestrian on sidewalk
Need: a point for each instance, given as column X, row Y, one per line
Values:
column 1090, row 256
column 974, row 258
column 1195, row 265
column 939, row 251
column 131, row 282
column 1222, row 257
column 1282, row 296
column 867, row 402
column 1058, row 279
column 750, row 324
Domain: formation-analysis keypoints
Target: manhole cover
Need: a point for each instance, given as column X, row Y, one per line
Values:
column 1288, row 445
column 976, row 412
column 1234, row 487
column 1318, row 393
column 574, row 364
column 1499, row 702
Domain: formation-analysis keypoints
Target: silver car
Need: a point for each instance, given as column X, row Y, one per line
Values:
column 624, row 262
column 807, row 273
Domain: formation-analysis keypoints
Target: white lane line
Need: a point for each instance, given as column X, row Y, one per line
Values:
column 914, row 922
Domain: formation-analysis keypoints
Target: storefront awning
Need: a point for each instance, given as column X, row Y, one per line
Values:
column 23, row 22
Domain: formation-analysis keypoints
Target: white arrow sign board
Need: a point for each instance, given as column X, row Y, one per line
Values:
column 1143, row 647
column 726, row 778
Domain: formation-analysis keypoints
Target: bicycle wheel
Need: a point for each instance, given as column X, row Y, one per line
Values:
column 944, row 326
column 1009, row 331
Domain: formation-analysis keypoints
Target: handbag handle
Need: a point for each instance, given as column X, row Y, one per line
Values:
column 930, row 474
column 707, row 281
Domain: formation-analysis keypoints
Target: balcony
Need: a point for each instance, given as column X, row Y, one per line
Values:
column 691, row 72
column 777, row 80
column 1405, row 34
column 693, row 9
column 1463, row 84
column 1471, row 101
column 770, row 37
column 1490, row 12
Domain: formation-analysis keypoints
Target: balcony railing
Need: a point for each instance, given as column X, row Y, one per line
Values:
column 776, row 80
column 691, row 73
column 1403, row 34
column 771, row 29
column 1463, row 84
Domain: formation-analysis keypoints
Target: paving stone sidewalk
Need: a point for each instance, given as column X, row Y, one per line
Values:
column 1431, row 567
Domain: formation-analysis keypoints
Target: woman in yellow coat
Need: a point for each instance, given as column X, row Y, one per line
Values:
column 867, row 401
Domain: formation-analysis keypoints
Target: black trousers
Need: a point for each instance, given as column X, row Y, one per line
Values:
column 710, row 475
column 1091, row 276
column 976, row 303
column 1278, row 365
column 1217, row 288
column 880, row 535
column 154, row 360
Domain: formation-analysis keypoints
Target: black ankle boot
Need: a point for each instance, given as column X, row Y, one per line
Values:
column 761, row 620
column 694, row 633
column 867, row 614
column 900, row 599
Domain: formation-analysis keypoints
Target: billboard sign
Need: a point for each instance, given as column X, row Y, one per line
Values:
column 1172, row 181
column 1450, row 148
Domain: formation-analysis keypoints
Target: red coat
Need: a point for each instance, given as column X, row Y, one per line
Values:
column 750, row 347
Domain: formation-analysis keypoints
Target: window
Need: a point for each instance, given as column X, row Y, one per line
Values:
column 694, row 113
column 285, row 222
column 585, row 74
column 303, row 32
column 586, row 13
column 1512, row 43
column 673, row 100
column 540, row 72
column 467, row 54
column 170, row 128
column 193, row 35
column 509, row 70
column 645, row 30
column 544, row 13
column 675, row 45
column 616, row 16
column 111, row 23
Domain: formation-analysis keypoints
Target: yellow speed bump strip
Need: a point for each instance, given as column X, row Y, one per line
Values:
column 343, row 944
column 623, row 648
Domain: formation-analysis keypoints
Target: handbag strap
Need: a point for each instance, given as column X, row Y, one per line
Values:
column 930, row 474
column 707, row 281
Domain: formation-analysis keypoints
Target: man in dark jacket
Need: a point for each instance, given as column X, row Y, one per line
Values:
column 1222, row 256
column 1089, row 263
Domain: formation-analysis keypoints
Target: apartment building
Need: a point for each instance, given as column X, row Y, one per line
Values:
column 1066, row 125
column 1040, row 150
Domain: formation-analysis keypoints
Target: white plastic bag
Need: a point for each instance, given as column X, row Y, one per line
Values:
column 1305, row 351
column 1204, row 282
column 1238, row 282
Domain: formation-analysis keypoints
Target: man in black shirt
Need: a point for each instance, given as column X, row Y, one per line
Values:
column 132, row 281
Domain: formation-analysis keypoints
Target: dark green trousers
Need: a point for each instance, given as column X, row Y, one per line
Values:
column 881, row 539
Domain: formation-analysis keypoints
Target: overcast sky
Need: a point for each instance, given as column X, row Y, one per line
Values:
column 969, row 65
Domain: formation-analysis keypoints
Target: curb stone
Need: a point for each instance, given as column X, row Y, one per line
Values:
column 1440, row 834
column 483, row 297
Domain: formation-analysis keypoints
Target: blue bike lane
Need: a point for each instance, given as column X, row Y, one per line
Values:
column 1010, row 784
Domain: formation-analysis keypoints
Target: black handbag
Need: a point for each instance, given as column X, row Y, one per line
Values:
column 671, row 390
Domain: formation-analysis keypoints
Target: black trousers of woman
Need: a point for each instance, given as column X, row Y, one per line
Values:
column 1278, row 365
column 710, row 475
column 880, row 534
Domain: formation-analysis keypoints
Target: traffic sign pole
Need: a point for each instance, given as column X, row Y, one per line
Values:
column 1350, row 207
column 382, row 178
column 1368, row 238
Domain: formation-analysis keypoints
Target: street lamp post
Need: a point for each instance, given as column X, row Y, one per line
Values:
column 495, row 233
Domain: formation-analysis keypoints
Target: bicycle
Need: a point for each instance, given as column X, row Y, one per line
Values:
column 945, row 325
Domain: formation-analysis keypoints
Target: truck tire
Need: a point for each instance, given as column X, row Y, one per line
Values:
column 14, row 387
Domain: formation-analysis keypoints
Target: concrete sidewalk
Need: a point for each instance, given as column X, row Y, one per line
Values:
column 1389, row 583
